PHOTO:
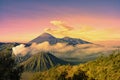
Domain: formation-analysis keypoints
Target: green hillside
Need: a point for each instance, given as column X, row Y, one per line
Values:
column 103, row 68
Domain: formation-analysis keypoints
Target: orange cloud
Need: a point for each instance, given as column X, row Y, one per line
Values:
column 61, row 25
column 84, row 32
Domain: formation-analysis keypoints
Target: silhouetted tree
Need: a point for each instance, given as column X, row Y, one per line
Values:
column 80, row 75
column 8, row 68
column 62, row 76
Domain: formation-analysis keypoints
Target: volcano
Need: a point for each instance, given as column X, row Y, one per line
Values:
column 53, row 40
column 42, row 61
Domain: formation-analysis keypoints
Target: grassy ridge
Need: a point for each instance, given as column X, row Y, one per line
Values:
column 103, row 68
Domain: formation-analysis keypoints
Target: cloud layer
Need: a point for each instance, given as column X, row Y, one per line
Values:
column 61, row 49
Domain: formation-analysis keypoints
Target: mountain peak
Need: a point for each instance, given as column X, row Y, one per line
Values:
column 43, row 37
column 53, row 40
column 46, row 35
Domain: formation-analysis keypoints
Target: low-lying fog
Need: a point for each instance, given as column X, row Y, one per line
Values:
column 63, row 50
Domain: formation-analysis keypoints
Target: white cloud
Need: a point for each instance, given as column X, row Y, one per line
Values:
column 61, row 49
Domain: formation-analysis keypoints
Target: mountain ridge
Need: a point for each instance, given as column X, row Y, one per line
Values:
column 53, row 40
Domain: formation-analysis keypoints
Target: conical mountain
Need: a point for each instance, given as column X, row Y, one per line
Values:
column 44, row 37
column 53, row 40
column 42, row 61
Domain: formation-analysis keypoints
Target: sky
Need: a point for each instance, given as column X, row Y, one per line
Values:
column 92, row 20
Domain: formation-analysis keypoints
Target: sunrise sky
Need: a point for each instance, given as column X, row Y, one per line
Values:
column 92, row 20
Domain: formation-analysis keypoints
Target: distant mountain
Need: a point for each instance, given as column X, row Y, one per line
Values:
column 9, row 46
column 53, row 40
column 42, row 61
column 1, row 43
column 45, row 37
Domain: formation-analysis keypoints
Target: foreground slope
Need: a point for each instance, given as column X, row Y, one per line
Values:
column 42, row 61
column 103, row 68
